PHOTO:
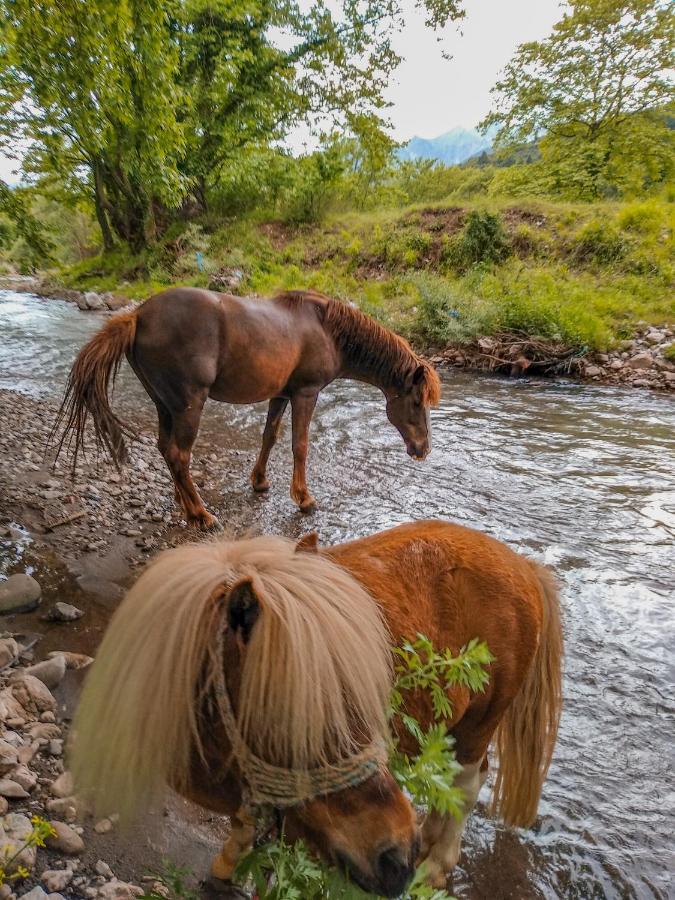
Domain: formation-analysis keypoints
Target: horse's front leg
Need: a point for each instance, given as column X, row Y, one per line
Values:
column 240, row 841
column 442, row 833
column 275, row 413
column 302, row 408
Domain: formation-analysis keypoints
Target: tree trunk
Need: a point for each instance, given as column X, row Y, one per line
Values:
column 101, row 215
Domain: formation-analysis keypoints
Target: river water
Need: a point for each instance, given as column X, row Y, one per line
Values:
column 582, row 478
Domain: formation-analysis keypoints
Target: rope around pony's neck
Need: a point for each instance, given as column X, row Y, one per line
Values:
column 267, row 785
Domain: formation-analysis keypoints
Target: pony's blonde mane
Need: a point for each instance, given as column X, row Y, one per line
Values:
column 314, row 684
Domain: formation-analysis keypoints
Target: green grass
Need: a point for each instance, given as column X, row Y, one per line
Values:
column 585, row 274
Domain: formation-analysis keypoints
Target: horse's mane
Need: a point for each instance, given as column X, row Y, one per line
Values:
column 314, row 685
column 369, row 346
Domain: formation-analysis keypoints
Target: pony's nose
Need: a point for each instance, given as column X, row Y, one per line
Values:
column 394, row 871
column 418, row 449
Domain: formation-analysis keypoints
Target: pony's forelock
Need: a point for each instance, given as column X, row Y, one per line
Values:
column 314, row 683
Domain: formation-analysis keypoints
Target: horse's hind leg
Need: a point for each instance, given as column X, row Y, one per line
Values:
column 177, row 453
column 275, row 413
column 164, row 427
column 302, row 408
column 442, row 834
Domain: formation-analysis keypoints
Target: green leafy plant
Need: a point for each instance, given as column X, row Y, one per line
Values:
column 10, row 868
column 173, row 880
column 281, row 871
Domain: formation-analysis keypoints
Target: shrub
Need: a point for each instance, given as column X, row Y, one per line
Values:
column 599, row 242
column 446, row 313
column 484, row 239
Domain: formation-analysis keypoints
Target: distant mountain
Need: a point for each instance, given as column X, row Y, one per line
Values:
column 451, row 148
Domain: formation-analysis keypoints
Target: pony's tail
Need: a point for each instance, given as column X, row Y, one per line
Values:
column 136, row 727
column 87, row 392
column 526, row 736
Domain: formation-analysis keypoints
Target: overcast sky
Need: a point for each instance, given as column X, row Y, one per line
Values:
column 430, row 94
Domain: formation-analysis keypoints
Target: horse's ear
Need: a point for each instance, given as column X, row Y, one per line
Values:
column 419, row 375
column 243, row 609
column 308, row 543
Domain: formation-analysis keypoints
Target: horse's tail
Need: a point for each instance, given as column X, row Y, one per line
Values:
column 136, row 724
column 527, row 734
column 87, row 391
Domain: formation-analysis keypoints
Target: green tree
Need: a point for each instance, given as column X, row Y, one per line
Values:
column 149, row 102
column 596, row 93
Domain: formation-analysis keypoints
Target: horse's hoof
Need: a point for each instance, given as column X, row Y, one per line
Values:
column 308, row 505
column 261, row 487
column 207, row 523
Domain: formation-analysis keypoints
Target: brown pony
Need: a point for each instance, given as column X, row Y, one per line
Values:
column 259, row 670
column 187, row 344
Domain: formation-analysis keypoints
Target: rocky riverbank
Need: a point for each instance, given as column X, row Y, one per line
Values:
column 98, row 526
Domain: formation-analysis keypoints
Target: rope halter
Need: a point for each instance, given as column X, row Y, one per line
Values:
column 267, row 785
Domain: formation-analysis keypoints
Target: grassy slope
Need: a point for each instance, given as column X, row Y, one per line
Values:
column 585, row 274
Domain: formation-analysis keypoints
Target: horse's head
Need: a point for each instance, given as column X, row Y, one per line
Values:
column 368, row 831
column 408, row 409
column 362, row 823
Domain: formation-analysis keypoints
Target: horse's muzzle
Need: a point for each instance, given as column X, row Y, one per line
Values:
column 392, row 873
column 418, row 451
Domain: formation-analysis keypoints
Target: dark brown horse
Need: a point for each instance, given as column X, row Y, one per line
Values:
column 187, row 344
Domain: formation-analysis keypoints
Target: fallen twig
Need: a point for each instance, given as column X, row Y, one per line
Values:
column 49, row 526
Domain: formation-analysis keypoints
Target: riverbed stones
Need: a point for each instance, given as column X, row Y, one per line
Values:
column 20, row 593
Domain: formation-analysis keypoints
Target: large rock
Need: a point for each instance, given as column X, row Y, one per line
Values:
column 12, row 790
column 22, row 775
column 8, row 757
column 640, row 361
column 34, row 696
column 116, row 302
column 66, row 840
column 37, row 893
column 94, row 300
column 20, row 593
column 50, row 671
column 63, row 786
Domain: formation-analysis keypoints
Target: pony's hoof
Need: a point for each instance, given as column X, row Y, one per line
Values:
column 307, row 505
column 260, row 485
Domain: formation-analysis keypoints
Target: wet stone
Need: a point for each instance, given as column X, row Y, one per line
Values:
column 63, row 612
column 20, row 593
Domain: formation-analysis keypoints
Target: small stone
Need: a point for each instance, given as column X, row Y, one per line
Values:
column 104, row 869
column 36, row 894
column 119, row 890
column 655, row 336
column 23, row 776
column 55, row 747
column 593, row 371
column 67, row 840
column 12, row 790
column 49, row 671
column 48, row 717
column 63, row 786
column 73, row 660
column 103, row 827
column 63, row 807
column 63, row 612
column 44, row 731
column 4, row 806
column 9, row 651
column 27, row 752
column 616, row 364
column 641, row 382
column 56, row 879
column 20, row 593
column 8, row 757
column 669, row 377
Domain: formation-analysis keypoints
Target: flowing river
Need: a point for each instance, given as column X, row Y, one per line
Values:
column 582, row 478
